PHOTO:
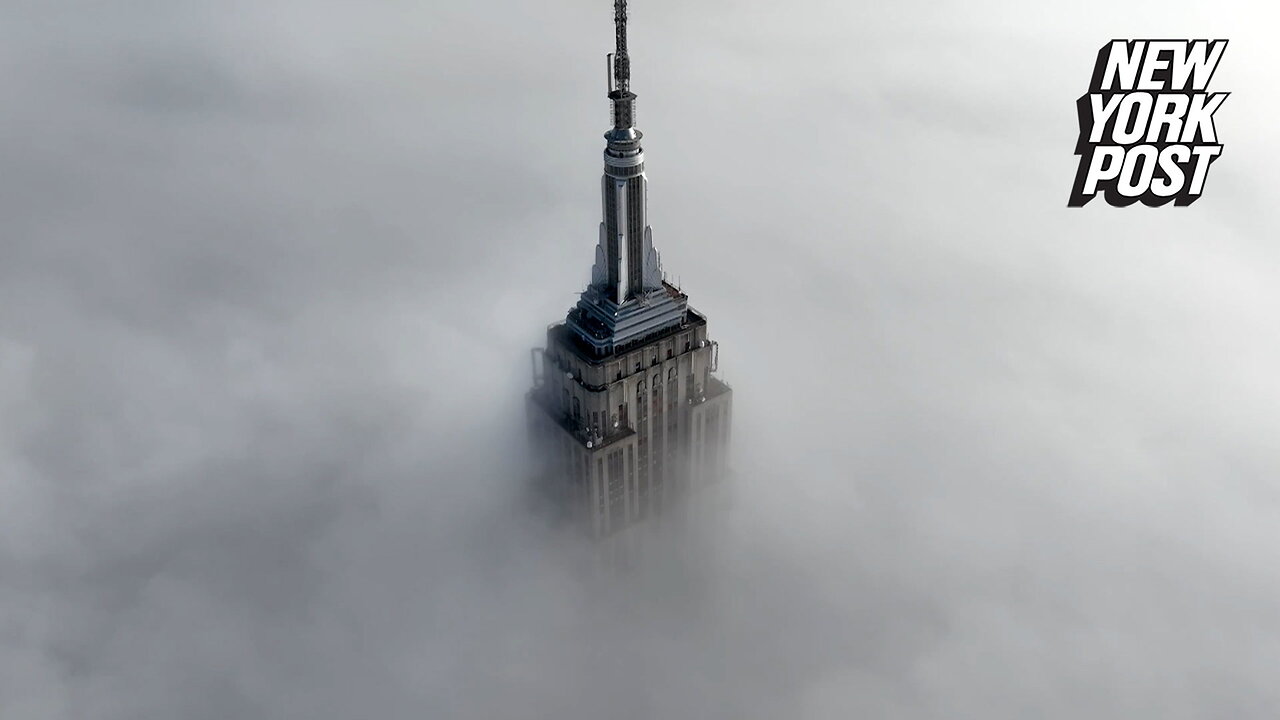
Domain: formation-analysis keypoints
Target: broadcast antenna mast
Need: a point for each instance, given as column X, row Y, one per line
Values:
column 621, row 62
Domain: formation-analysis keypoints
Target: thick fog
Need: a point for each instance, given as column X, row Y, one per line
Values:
column 271, row 271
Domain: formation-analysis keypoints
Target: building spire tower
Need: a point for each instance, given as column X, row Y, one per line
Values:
column 624, row 407
column 626, row 295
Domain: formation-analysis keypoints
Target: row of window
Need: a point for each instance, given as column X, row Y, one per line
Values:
column 653, row 359
column 623, row 172
column 620, row 419
column 563, row 362
column 657, row 379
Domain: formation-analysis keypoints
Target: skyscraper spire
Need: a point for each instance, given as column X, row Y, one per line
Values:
column 627, row 298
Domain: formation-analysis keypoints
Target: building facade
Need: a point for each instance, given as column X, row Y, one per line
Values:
column 625, row 413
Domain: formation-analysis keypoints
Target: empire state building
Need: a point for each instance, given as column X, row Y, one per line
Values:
column 625, row 413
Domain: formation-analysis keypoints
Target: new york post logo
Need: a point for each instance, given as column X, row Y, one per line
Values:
column 1146, row 124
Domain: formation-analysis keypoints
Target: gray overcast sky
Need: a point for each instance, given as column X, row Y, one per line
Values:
column 270, row 271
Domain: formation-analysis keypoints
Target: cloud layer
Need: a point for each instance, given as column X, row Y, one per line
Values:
column 270, row 272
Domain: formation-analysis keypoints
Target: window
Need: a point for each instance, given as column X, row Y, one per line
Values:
column 671, row 374
column 670, row 353
column 577, row 410
column 637, row 366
